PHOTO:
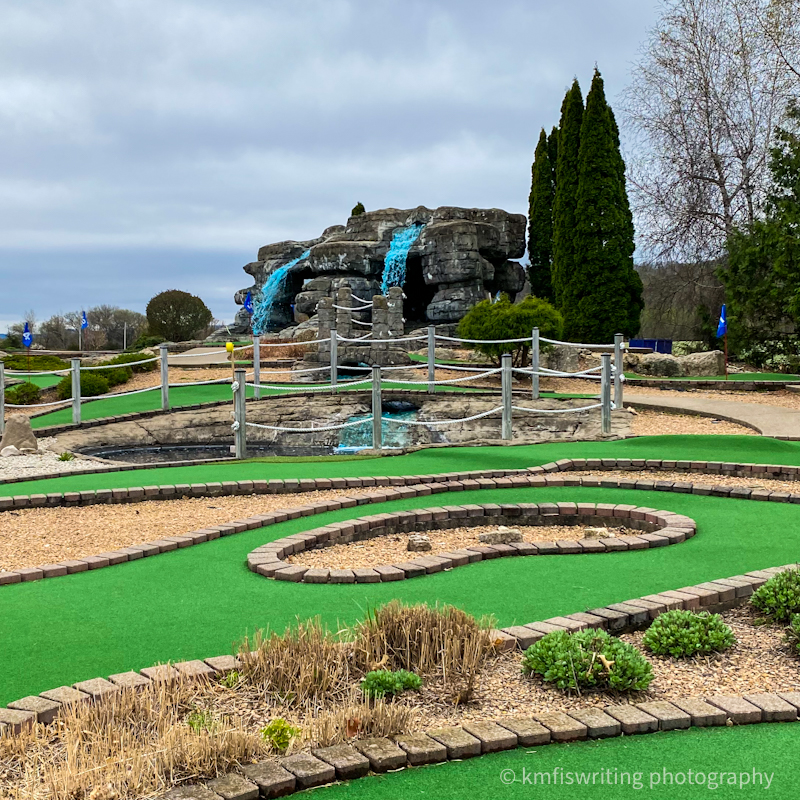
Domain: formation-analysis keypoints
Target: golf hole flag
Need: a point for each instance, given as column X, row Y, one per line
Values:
column 722, row 327
column 248, row 304
column 27, row 336
column 84, row 321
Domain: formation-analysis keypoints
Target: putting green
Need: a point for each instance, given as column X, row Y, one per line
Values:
column 699, row 762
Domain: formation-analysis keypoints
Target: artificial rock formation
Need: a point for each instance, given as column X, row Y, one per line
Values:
column 460, row 257
column 18, row 438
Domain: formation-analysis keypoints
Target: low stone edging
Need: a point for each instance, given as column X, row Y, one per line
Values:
column 267, row 560
column 324, row 765
column 704, row 383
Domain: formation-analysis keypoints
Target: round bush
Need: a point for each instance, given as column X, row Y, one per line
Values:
column 92, row 384
column 682, row 634
column 23, row 394
column 779, row 598
column 588, row 659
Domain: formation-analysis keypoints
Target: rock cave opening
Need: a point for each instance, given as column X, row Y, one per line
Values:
column 418, row 294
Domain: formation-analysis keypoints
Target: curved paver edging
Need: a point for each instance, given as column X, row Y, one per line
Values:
column 348, row 761
column 267, row 560
column 394, row 488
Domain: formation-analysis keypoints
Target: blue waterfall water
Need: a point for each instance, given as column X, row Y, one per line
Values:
column 270, row 291
column 394, row 265
column 359, row 437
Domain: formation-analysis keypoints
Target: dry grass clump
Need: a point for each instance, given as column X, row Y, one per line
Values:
column 127, row 746
column 445, row 641
column 365, row 719
column 306, row 664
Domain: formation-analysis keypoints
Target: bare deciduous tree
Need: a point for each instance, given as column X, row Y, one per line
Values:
column 707, row 93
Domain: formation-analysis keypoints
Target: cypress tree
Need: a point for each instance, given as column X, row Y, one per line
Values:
column 552, row 151
column 604, row 294
column 540, row 222
column 566, row 191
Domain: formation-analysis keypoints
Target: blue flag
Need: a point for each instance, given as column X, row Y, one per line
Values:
column 84, row 321
column 27, row 336
column 722, row 327
column 248, row 303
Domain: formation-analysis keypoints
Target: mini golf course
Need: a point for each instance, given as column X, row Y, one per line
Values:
column 199, row 601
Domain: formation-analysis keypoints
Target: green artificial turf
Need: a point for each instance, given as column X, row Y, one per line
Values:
column 748, row 449
column 196, row 602
column 609, row 769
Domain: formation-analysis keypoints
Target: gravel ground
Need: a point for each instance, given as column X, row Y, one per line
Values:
column 657, row 423
column 29, row 537
column 392, row 549
column 706, row 479
column 42, row 463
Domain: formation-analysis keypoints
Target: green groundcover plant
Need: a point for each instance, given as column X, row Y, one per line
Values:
column 279, row 733
column 388, row 683
column 587, row 659
column 793, row 633
column 779, row 598
column 682, row 634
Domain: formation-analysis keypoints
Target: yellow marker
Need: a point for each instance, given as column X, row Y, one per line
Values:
column 229, row 348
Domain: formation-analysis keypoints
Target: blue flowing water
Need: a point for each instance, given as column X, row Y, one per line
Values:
column 270, row 291
column 394, row 265
column 359, row 437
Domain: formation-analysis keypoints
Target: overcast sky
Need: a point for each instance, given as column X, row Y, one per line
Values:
column 156, row 144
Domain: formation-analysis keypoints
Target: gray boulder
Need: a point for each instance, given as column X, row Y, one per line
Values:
column 18, row 434
column 418, row 543
column 659, row 365
column 502, row 535
column 703, row 364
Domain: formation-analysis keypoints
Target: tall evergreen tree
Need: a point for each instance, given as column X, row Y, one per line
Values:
column 604, row 294
column 540, row 222
column 552, row 151
column 566, row 195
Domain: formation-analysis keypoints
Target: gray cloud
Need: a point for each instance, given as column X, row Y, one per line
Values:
column 151, row 144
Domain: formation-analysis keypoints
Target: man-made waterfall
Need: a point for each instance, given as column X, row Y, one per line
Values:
column 394, row 266
column 270, row 292
column 359, row 437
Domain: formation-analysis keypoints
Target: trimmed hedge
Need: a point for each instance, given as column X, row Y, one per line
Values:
column 779, row 598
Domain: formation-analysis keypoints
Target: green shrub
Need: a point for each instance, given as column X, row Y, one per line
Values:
column 793, row 633
column 231, row 680
column 681, row 634
column 23, row 394
column 779, row 598
column 358, row 209
column 19, row 361
column 589, row 658
column 146, row 340
column 506, row 320
column 388, row 683
column 199, row 720
column 128, row 358
column 92, row 384
column 279, row 733
column 66, row 456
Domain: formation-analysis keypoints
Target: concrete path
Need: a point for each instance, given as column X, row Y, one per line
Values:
column 767, row 420
column 200, row 356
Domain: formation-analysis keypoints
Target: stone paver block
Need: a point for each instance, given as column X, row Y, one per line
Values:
column 16, row 719
column 346, row 760
column 129, row 680
column 502, row 641
column 599, row 725
column 383, row 754
column 773, row 708
column 528, row 731
column 388, row 573
column 96, row 688
column 233, row 787
column 162, row 673
column 46, row 710
column 223, row 664
column 196, row 792
column 290, row 573
column 195, row 669
column 562, row 727
column 492, row 737
column 271, row 779
column 669, row 717
column 65, row 695
column 791, row 697
column 421, row 749
column 458, row 742
column 737, row 708
column 525, row 636
column 703, row 714
column 308, row 770
column 632, row 719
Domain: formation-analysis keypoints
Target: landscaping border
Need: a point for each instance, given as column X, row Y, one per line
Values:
column 267, row 560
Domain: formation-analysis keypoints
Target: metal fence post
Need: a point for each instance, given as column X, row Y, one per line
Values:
column 618, row 370
column 240, row 414
column 257, row 366
column 431, row 359
column 334, row 359
column 76, row 390
column 2, row 397
column 535, row 364
column 605, row 394
column 377, row 425
column 164, row 378
column 505, row 364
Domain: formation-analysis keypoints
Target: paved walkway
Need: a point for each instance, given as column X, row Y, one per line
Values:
column 200, row 356
column 767, row 420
